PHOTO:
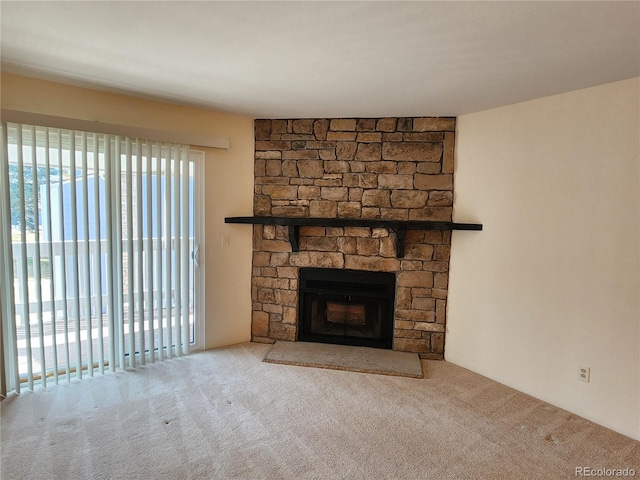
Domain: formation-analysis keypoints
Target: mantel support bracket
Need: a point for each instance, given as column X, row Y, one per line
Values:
column 294, row 237
column 401, row 235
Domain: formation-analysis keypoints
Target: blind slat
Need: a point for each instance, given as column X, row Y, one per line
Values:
column 86, row 257
column 52, row 263
column 149, row 253
column 140, row 255
column 63, row 266
column 75, row 270
column 186, row 249
column 10, row 381
column 111, row 252
column 36, row 260
column 159, row 250
column 130, row 254
column 22, row 272
column 168, row 249
column 97, row 262
column 177, row 248
column 119, row 288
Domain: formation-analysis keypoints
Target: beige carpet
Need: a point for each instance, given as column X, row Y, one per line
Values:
column 343, row 357
column 225, row 414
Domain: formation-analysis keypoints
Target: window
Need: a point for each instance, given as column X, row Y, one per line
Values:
column 100, row 245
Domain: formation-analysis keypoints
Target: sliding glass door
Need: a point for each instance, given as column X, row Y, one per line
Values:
column 100, row 244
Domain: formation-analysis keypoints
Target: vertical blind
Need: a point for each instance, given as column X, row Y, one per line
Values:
column 95, row 253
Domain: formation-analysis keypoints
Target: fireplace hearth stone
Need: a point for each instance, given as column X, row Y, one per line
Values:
column 344, row 357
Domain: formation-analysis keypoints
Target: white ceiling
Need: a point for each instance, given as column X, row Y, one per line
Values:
column 326, row 59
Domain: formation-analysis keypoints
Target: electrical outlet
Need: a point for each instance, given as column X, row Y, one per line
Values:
column 584, row 373
column 225, row 240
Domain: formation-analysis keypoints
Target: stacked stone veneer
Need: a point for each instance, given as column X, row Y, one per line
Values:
column 386, row 168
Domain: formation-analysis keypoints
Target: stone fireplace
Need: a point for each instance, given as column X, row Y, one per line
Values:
column 384, row 169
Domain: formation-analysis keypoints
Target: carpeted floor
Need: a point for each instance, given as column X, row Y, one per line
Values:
column 225, row 414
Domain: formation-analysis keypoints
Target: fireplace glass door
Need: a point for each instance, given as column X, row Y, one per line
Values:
column 346, row 307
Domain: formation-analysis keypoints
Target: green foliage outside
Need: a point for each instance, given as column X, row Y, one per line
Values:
column 30, row 191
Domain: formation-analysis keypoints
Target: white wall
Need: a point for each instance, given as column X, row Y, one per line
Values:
column 228, row 179
column 553, row 281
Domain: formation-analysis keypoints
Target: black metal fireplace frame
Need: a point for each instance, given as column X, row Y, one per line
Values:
column 329, row 281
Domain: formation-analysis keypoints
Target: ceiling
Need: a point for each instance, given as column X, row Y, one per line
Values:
column 326, row 59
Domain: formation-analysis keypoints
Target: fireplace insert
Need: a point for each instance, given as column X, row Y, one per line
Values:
column 347, row 307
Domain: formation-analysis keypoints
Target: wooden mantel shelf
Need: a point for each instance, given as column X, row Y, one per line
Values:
column 400, row 227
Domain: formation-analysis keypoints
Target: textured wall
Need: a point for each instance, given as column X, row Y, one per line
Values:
column 553, row 281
